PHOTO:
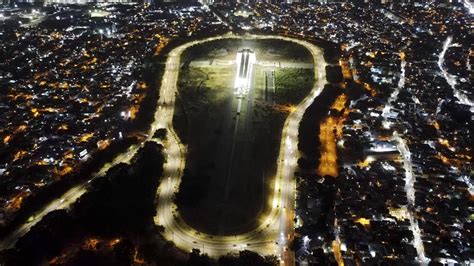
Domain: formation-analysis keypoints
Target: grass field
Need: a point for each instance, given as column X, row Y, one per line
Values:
column 231, row 158
column 264, row 50
column 293, row 84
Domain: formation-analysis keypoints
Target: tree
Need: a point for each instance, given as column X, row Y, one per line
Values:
column 198, row 259
column 271, row 260
column 160, row 133
column 124, row 251
column 334, row 74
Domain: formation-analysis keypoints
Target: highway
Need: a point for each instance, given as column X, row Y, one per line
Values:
column 275, row 230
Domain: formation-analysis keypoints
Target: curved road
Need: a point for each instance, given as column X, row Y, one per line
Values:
column 276, row 229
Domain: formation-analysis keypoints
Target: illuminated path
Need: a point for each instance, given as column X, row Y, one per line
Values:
column 65, row 201
column 394, row 96
column 407, row 165
column 410, row 191
column 277, row 226
column 469, row 6
column 452, row 79
column 402, row 147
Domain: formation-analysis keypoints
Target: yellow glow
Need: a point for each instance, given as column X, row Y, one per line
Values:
column 66, row 170
column 370, row 89
column 363, row 221
column 275, row 202
column 19, row 155
column 142, row 85
column 91, row 244
column 21, row 128
column 35, row 112
column 443, row 158
column 340, row 102
column 50, row 110
column 402, row 55
column 368, row 160
column 114, row 242
column 336, row 249
column 6, row 139
column 399, row 213
column 68, row 155
column 103, row 144
column 444, row 142
column 328, row 157
column 86, row 137
column 346, row 70
column 63, row 127
column 63, row 85
column 133, row 112
column 15, row 203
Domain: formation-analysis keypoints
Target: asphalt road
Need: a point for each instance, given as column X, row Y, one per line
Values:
column 275, row 231
column 410, row 191
column 451, row 79
column 65, row 201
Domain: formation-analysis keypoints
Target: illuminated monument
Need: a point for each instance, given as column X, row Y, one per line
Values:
column 245, row 60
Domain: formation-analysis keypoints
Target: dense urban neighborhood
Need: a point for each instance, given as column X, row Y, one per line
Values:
column 380, row 168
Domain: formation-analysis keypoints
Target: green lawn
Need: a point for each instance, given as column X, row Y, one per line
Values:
column 293, row 84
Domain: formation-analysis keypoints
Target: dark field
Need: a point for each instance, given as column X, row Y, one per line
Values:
column 231, row 158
